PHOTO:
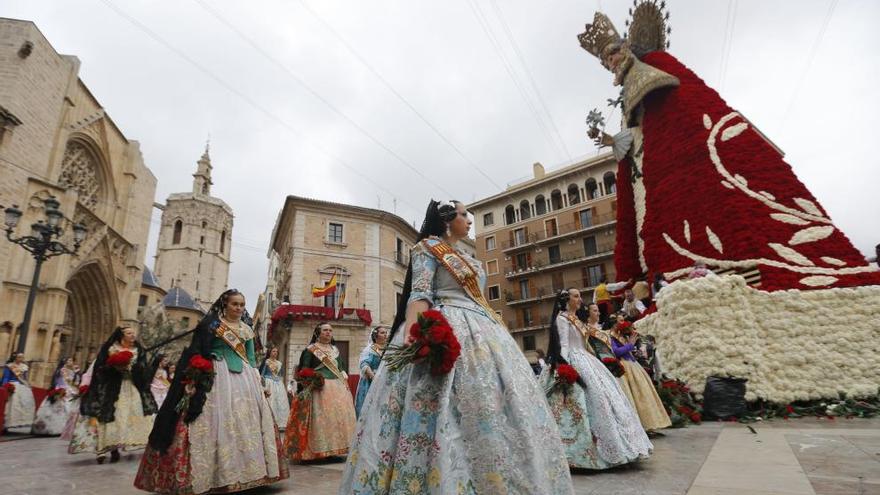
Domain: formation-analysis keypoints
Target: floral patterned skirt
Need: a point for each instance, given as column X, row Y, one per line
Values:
column 483, row 428
column 613, row 424
column 20, row 409
column 639, row 388
column 128, row 430
column 322, row 424
column 233, row 445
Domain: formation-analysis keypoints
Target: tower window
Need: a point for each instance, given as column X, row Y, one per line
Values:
column 223, row 242
column 178, row 230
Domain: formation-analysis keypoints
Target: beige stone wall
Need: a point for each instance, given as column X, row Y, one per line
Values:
column 111, row 191
column 366, row 261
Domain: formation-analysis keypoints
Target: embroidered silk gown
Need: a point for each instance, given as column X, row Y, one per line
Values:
column 598, row 425
column 639, row 388
column 481, row 429
column 20, row 406
column 321, row 423
column 273, row 382
column 52, row 415
column 369, row 359
column 232, row 445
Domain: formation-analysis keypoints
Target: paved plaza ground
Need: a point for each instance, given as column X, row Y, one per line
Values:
column 805, row 456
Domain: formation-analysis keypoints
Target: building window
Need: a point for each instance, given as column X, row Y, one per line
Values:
column 397, row 297
column 178, row 231
column 204, row 224
column 556, row 200
column 557, row 281
column 199, row 268
column 610, row 183
column 555, row 256
column 574, row 194
column 524, row 289
column 519, row 237
column 142, row 301
column 528, row 317
column 592, row 189
column 223, row 242
column 334, row 234
column 399, row 254
column 202, row 240
column 540, row 205
column 529, row 342
column 590, row 246
column 509, row 215
column 522, row 261
column 494, row 292
column 592, row 275
column 184, row 322
column 488, row 219
column 490, row 243
column 586, row 218
column 491, row 267
column 550, row 228
column 330, row 300
column 525, row 211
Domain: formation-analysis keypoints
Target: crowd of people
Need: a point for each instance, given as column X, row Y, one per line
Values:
column 221, row 420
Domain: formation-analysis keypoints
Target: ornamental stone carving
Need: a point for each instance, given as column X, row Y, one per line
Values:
column 79, row 171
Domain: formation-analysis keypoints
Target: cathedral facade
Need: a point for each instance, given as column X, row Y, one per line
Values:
column 56, row 139
column 195, row 237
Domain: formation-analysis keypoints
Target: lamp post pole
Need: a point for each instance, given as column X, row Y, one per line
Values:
column 42, row 245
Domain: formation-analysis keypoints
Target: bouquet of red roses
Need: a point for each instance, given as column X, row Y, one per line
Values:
column 55, row 394
column 198, row 375
column 310, row 381
column 566, row 375
column 10, row 387
column 121, row 360
column 433, row 341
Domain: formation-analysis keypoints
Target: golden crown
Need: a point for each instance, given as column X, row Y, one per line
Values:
column 648, row 30
column 599, row 35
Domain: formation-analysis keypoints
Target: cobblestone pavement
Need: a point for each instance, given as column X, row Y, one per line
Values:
column 806, row 456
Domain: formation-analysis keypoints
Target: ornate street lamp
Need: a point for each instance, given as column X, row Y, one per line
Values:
column 42, row 245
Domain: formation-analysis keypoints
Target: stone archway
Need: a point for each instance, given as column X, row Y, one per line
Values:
column 91, row 313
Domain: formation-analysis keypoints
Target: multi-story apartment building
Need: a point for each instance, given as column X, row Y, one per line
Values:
column 550, row 232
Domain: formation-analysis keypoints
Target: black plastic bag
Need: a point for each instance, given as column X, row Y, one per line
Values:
column 724, row 398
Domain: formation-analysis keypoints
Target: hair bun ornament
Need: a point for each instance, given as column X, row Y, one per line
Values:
column 448, row 203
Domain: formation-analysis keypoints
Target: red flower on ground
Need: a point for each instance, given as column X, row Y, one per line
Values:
column 789, row 409
column 566, row 373
column 120, row 360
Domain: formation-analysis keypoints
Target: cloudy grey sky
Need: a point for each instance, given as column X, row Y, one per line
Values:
column 291, row 110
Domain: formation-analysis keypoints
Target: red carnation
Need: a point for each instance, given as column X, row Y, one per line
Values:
column 432, row 339
column 120, row 360
column 305, row 373
column 201, row 364
column 696, row 418
column 789, row 409
column 566, row 373
column 423, row 351
column 10, row 387
column 433, row 314
column 83, row 389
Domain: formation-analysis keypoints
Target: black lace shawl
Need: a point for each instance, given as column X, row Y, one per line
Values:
column 166, row 421
column 100, row 400
column 203, row 336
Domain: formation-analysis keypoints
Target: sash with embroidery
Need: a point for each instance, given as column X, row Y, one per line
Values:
column 328, row 362
column 463, row 273
column 232, row 339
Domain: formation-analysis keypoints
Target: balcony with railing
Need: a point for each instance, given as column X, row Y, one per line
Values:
column 557, row 233
column 538, row 321
column 539, row 266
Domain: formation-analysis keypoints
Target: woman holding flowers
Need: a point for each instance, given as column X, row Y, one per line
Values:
column 636, row 383
column 215, row 433
column 452, row 407
column 273, row 383
column 599, row 427
column 322, row 414
column 56, row 407
column 20, row 406
column 117, row 409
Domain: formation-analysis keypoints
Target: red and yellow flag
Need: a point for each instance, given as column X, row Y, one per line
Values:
column 329, row 288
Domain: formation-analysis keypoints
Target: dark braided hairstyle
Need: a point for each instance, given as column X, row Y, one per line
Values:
column 554, row 348
column 437, row 218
